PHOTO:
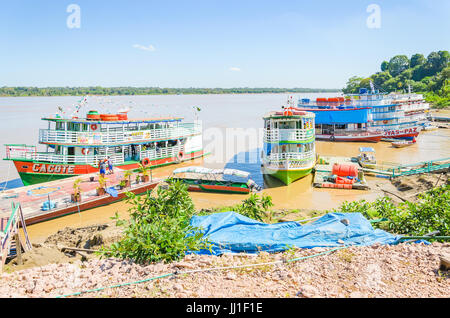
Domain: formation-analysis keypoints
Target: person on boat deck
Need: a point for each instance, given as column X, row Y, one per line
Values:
column 102, row 166
column 110, row 166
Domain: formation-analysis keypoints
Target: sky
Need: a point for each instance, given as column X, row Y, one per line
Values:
column 210, row 43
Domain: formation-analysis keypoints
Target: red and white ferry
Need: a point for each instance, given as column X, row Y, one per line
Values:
column 75, row 146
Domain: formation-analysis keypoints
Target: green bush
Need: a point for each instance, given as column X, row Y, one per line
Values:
column 158, row 229
column 256, row 207
column 430, row 213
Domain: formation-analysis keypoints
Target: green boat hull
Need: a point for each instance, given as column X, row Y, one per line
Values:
column 288, row 176
column 35, row 178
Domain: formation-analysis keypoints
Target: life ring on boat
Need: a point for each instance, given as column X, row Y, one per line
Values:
column 85, row 151
column 332, row 138
column 145, row 162
column 180, row 156
column 385, row 122
column 94, row 127
column 287, row 113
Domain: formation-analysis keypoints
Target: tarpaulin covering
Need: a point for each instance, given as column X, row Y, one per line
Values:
column 202, row 170
column 230, row 232
column 112, row 192
column 342, row 116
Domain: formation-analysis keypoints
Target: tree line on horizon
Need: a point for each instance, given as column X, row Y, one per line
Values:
column 111, row 91
column 428, row 75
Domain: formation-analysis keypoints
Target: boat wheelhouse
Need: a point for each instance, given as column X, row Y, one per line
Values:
column 215, row 180
column 76, row 146
column 289, row 145
column 336, row 121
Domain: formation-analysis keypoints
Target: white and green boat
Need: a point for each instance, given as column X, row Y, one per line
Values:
column 289, row 145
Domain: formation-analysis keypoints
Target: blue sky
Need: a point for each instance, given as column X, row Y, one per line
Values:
column 211, row 43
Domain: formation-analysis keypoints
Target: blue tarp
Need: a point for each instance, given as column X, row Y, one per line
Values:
column 347, row 116
column 112, row 192
column 230, row 232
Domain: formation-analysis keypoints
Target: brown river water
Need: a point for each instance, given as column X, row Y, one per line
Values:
column 220, row 114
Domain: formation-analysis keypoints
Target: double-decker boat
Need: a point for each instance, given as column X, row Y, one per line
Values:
column 289, row 145
column 336, row 121
column 76, row 146
column 391, row 113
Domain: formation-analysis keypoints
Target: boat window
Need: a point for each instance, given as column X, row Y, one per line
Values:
column 59, row 126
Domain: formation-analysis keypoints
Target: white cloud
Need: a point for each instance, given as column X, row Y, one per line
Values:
column 235, row 69
column 150, row 48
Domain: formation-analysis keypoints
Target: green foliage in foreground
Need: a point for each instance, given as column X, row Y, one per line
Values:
column 255, row 207
column 158, row 227
column 430, row 213
column 112, row 91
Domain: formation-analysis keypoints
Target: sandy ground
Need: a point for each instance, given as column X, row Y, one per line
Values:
column 404, row 270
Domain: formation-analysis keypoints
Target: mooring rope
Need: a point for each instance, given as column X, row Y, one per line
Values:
column 203, row 270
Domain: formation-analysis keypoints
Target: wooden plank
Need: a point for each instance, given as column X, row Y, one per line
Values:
column 18, row 249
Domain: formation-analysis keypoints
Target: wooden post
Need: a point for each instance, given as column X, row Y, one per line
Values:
column 18, row 249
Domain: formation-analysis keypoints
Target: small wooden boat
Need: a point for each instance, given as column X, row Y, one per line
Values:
column 366, row 157
column 429, row 127
column 215, row 180
column 403, row 143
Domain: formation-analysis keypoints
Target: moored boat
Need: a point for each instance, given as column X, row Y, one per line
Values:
column 336, row 121
column 76, row 146
column 215, row 180
column 289, row 145
column 403, row 143
column 392, row 113
column 366, row 157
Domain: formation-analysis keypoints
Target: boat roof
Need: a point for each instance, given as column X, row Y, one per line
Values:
column 280, row 115
column 127, row 121
column 366, row 149
column 203, row 170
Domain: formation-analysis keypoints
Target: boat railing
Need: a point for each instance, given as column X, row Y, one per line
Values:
column 291, row 156
column 70, row 159
column 274, row 135
column 19, row 151
column 352, row 132
column 115, row 137
column 165, row 152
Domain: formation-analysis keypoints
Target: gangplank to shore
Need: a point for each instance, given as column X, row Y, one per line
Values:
column 411, row 169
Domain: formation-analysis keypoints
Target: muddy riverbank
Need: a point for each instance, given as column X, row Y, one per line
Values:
column 49, row 248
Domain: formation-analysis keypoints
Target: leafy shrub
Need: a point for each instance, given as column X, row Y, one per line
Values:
column 255, row 207
column 158, row 229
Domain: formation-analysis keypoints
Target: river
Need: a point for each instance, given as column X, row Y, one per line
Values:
column 232, row 133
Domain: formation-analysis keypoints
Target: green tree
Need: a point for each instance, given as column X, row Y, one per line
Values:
column 380, row 77
column 398, row 64
column 353, row 85
column 385, row 66
column 158, row 229
column 417, row 59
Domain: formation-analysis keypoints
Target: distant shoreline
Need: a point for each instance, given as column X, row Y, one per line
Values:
column 145, row 91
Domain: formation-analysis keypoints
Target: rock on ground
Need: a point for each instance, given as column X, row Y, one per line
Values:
column 404, row 270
